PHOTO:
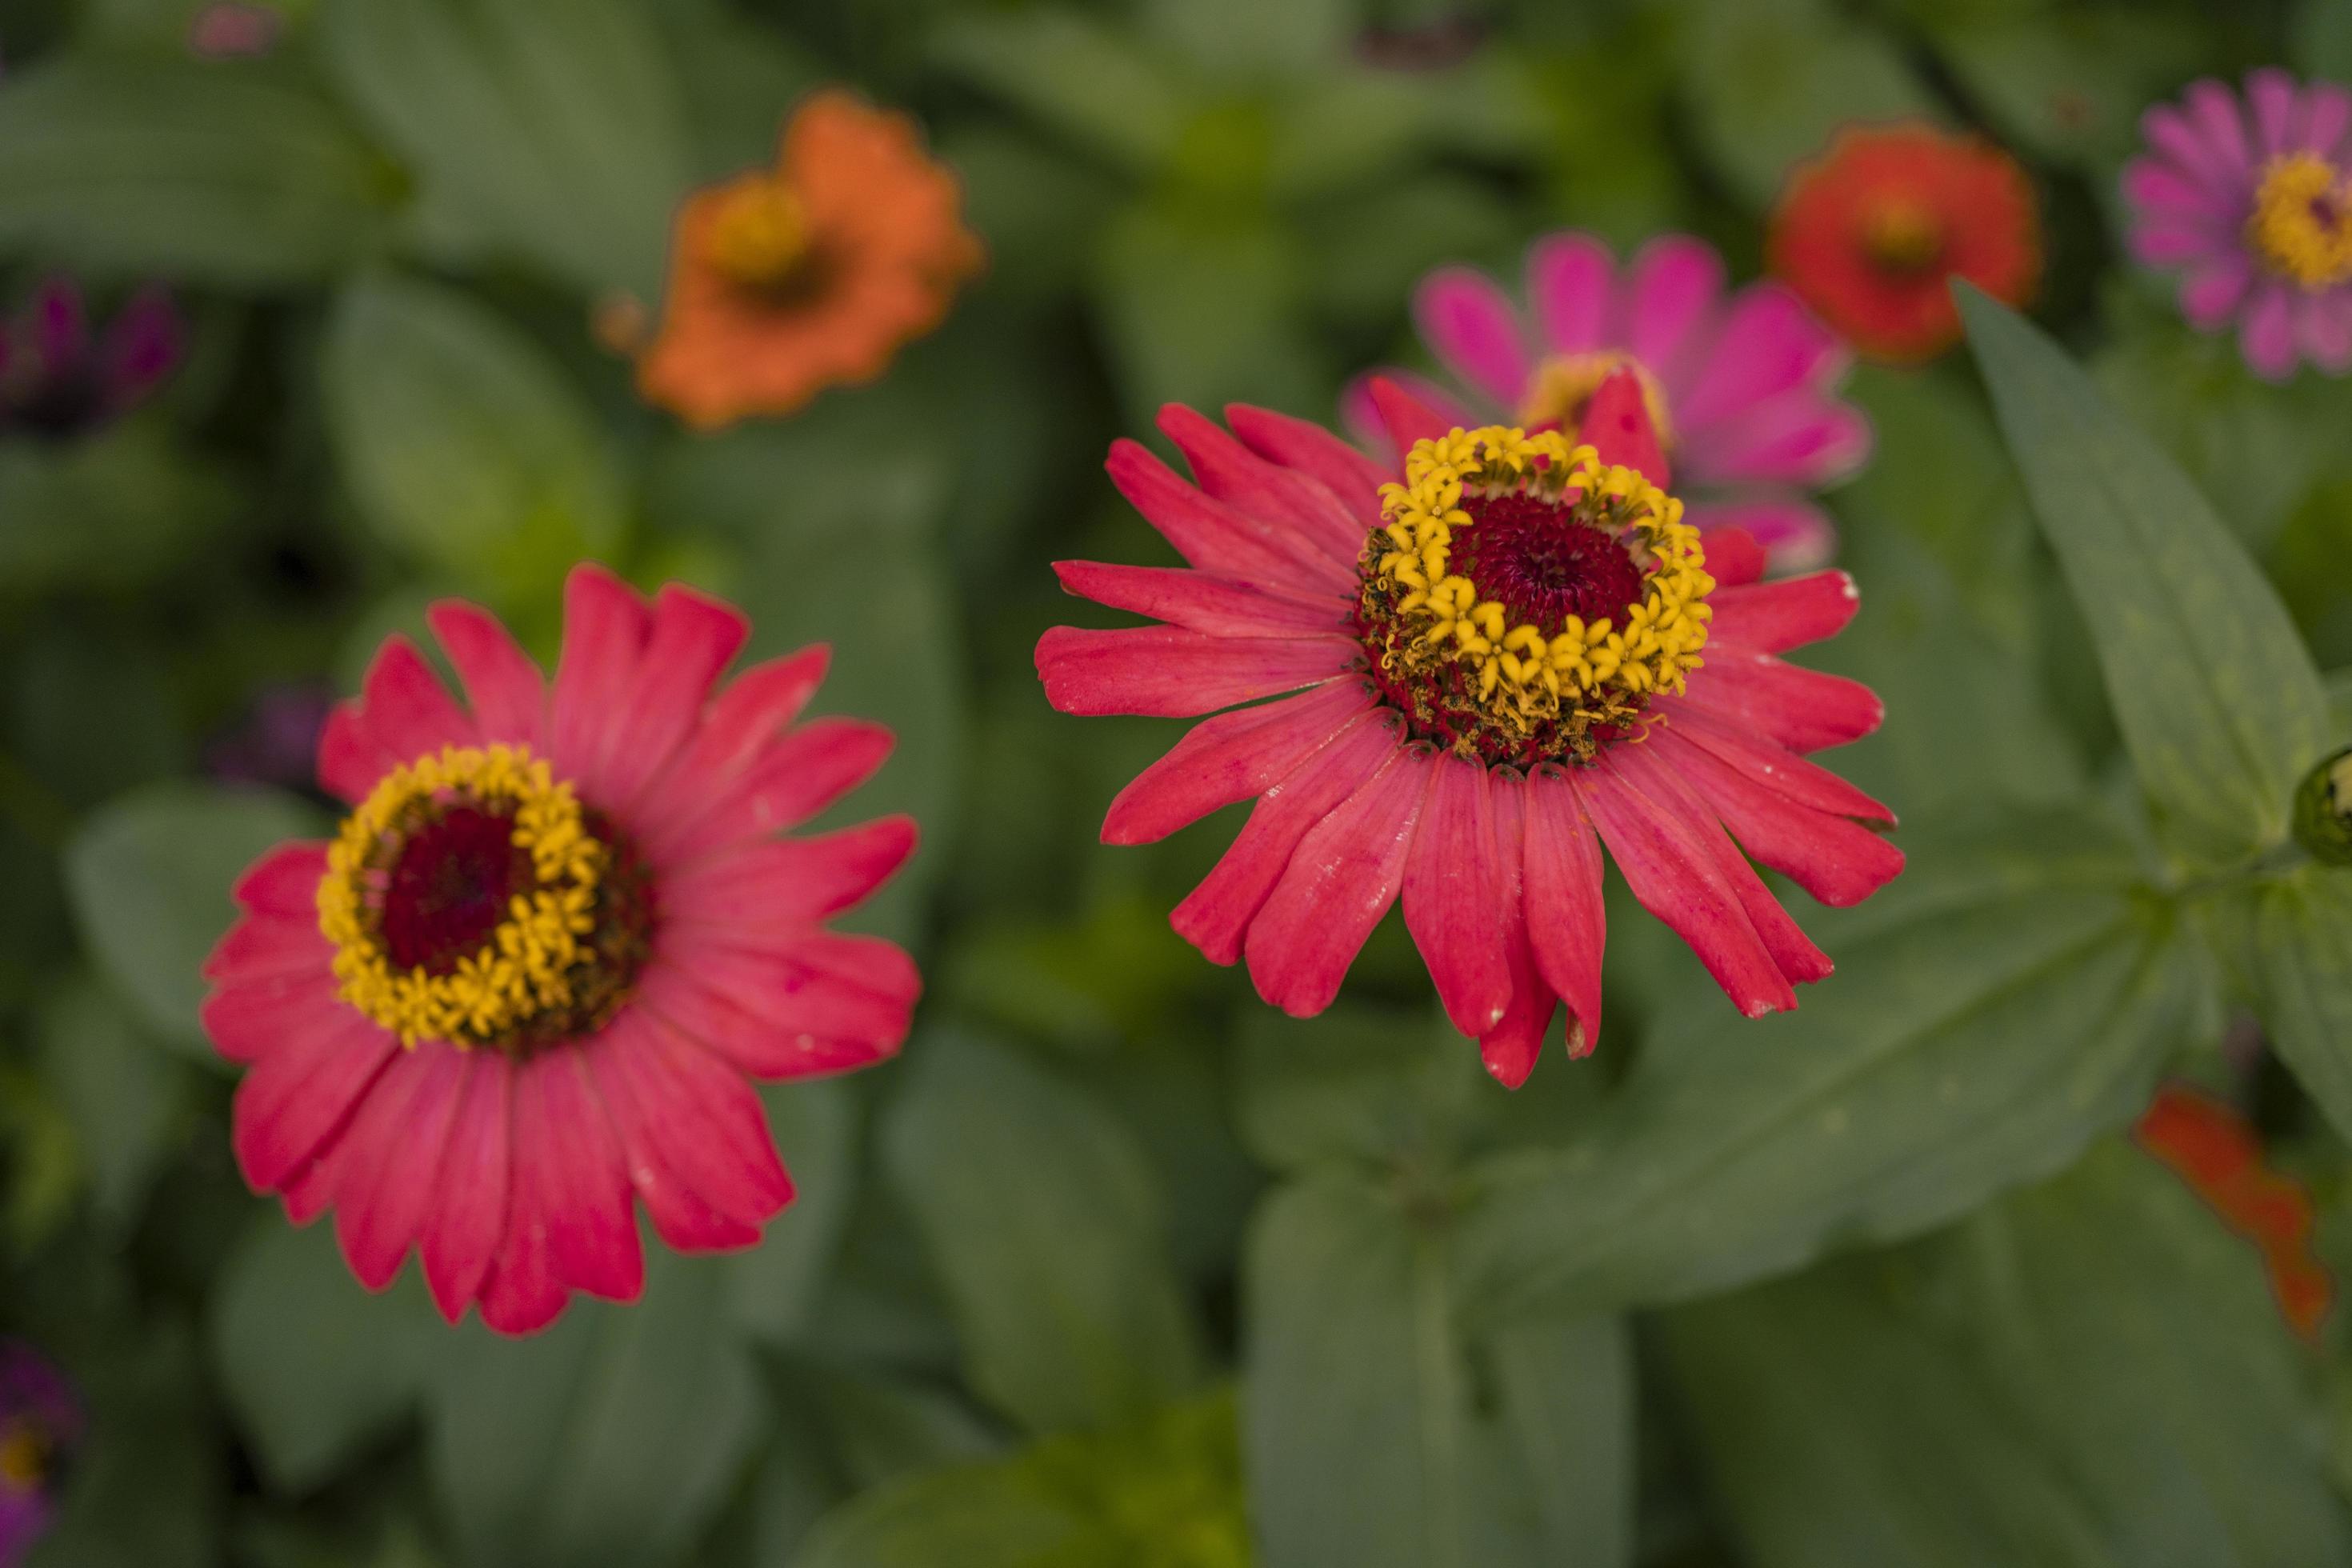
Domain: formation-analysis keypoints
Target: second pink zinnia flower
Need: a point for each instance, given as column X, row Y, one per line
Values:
column 1741, row 388
column 525, row 987
column 1506, row 654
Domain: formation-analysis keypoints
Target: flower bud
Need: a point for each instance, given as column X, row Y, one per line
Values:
column 2323, row 810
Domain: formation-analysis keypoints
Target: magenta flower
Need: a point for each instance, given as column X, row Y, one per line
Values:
column 40, row 1422
column 1741, row 389
column 2251, row 201
column 58, row 380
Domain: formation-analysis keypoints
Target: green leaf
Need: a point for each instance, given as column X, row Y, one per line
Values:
column 608, row 1440
column 123, row 1094
column 461, row 440
column 1361, row 1436
column 975, row 1517
column 772, row 1288
column 212, row 172
column 1044, row 1222
column 2217, row 699
column 2339, row 702
column 146, row 1489
column 555, row 136
column 1355, row 1086
column 118, row 513
column 2005, row 1002
column 2089, row 1375
column 1078, row 76
column 2299, row 950
column 149, row 876
column 316, row 1369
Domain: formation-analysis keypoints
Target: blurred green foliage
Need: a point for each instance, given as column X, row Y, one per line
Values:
column 1117, row 1266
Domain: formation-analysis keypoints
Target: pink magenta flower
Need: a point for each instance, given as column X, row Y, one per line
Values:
column 530, row 976
column 2252, row 203
column 40, row 1426
column 1499, row 646
column 1742, row 390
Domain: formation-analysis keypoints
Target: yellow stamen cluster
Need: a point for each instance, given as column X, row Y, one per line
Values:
column 524, row 967
column 1904, row 236
column 759, row 235
column 2302, row 221
column 1601, row 671
column 23, row 1458
column 1563, row 387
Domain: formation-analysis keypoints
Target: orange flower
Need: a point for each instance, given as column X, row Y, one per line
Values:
column 2216, row 1152
column 785, row 281
column 1870, row 232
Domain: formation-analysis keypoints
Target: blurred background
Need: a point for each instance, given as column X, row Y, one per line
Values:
column 1115, row 1266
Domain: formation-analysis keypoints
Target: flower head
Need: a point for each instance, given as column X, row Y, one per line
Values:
column 2217, row 1154
column 58, row 380
column 785, row 281
column 2251, row 202
column 1509, row 654
column 1741, row 388
column 1871, row 232
column 40, row 1425
column 528, row 979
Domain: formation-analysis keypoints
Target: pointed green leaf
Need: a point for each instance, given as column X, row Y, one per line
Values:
column 2216, row 696
column 2299, row 950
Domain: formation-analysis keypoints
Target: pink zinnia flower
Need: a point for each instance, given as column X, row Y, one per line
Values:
column 530, row 977
column 1742, row 390
column 2252, row 204
column 1501, row 658
column 40, row 1426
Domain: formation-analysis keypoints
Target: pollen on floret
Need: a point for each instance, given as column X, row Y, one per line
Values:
column 2302, row 221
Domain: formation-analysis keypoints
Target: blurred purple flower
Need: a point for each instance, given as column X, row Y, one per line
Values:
column 277, row 739
column 1438, row 44
column 59, row 379
column 40, row 1424
column 231, row 31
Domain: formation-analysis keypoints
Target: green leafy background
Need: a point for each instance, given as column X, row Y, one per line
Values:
column 1115, row 1266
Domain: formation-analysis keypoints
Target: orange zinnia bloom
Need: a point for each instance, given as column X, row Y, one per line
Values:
column 1870, row 233
column 785, row 281
column 2217, row 1152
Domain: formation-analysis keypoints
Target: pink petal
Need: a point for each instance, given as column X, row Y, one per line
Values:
column 263, row 947
column 1216, row 915
column 606, row 626
column 1510, row 1047
column 1800, row 709
column 1307, row 447
column 507, row 694
column 2165, row 241
column 296, row 1098
column 404, row 708
column 2212, row 293
column 1567, row 928
column 1676, row 878
column 1342, row 880
column 1773, row 617
column 747, row 713
column 1473, row 329
column 1833, row 859
column 284, row 881
column 2172, row 134
column 1405, row 417
column 694, row 639
column 813, row 766
column 819, row 1002
column 2323, row 328
column 654, row 1148
column 1172, row 673
column 2326, row 116
column 2270, row 92
column 2213, row 111
column 255, row 1018
column 1201, row 601
column 1674, row 285
column 471, row 1188
column 1230, row 758
column 1215, row 537
column 1798, row 437
column 795, row 882
column 351, row 763
column 564, row 1138
column 1770, row 764
column 1360, row 411
column 521, row 1294
column 390, row 1156
column 2160, row 188
column 1792, row 950
column 696, row 1114
column 2267, row 335
column 1617, row 425
column 1453, row 897
column 1795, row 535
column 1734, row 556
column 1570, row 283
column 1769, row 343
column 1232, row 473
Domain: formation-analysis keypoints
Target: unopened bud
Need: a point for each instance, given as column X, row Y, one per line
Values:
column 2323, row 810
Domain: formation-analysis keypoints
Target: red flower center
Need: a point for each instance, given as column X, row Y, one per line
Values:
column 450, row 887
column 1543, row 564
